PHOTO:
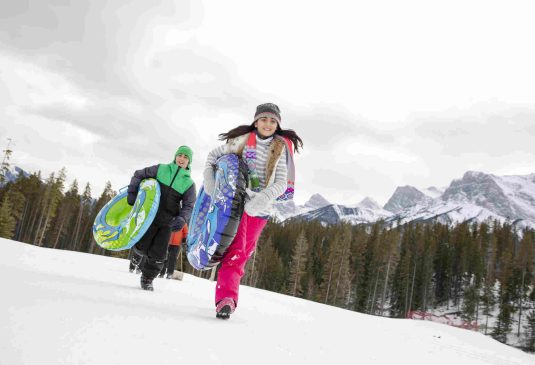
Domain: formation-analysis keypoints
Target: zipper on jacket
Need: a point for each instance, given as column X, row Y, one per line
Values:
column 174, row 177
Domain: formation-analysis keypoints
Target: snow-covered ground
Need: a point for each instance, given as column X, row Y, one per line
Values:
column 61, row 307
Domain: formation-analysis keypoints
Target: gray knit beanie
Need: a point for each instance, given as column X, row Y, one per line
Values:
column 268, row 110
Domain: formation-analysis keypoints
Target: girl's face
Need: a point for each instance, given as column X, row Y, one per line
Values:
column 266, row 127
column 182, row 160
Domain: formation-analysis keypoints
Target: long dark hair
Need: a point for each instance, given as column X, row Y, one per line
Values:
column 243, row 129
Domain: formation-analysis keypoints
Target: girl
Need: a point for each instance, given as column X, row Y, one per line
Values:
column 268, row 151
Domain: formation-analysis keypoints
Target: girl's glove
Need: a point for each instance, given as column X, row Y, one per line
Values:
column 257, row 204
column 251, row 194
column 209, row 181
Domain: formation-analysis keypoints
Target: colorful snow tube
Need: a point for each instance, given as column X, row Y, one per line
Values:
column 118, row 226
column 214, row 220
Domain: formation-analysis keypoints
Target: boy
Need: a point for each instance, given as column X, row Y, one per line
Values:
column 177, row 198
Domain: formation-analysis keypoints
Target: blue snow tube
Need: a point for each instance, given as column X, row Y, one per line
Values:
column 215, row 220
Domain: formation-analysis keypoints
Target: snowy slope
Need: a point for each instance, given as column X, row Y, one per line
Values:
column 62, row 307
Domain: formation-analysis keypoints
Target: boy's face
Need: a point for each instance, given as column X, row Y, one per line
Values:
column 182, row 160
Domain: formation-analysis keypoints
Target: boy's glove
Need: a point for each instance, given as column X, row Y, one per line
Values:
column 177, row 223
column 131, row 198
column 209, row 181
column 257, row 204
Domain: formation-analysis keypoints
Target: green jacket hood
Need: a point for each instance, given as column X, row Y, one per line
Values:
column 175, row 177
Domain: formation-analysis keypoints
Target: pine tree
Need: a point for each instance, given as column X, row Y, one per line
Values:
column 524, row 267
column 30, row 188
column 7, row 221
column 104, row 198
column 64, row 222
column 404, row 275
column 371, row 271
column 506, row 297
column 443, row 266
column 84, row 241
column 530, row 325
column 359, row 248
column 270, row 268
column 530, row 332
column 488, row 299
column 298, row 265
column 336, row 280
column 44, row 199
column 55, row 196
column 470, row 302
column 18, row 203
column 390, row 242
column 315, row 260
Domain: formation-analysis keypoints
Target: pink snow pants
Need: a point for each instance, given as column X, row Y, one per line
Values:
column 236, row 256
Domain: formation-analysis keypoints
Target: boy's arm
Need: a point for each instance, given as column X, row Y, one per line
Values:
column 147, row 172
column 188, row 201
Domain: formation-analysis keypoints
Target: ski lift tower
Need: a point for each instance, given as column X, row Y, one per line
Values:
column 5, row 162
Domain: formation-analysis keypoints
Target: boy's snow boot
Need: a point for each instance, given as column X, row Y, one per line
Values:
column 146, row 283
column 224, row 308
column 137, row 259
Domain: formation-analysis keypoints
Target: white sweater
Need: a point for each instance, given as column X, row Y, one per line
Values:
column 280, row 180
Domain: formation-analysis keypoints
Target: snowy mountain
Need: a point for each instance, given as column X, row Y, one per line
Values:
column 316, row 201
column 433, row 192
column 14, row 172
column 474, row 197
column 480, row 197
column 283, row 211
column 64, row 307
column 405, row 197
column 364, row 212
column 512, row 197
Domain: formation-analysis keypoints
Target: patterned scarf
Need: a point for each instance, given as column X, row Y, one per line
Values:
column 250, row 159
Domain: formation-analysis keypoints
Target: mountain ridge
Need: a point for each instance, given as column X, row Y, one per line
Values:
column 476, row 196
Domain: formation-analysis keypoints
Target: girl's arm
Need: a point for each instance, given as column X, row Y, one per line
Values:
column 209, row 168
column 215, row 154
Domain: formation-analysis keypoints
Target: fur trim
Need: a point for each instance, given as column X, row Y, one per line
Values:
column 237, row 145
column 275, row 151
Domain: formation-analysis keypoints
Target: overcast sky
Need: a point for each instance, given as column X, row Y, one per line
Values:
column 383, row 93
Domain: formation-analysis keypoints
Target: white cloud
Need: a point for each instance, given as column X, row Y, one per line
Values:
column 383, row 93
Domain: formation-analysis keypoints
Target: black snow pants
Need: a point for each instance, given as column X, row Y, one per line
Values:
column 153, row 247
column 170, row 263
